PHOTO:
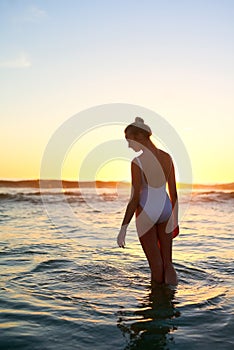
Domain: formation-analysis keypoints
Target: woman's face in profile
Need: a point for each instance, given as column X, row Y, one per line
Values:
column 132, row 142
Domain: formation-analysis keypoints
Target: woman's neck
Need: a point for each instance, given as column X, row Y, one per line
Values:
column 149, row 145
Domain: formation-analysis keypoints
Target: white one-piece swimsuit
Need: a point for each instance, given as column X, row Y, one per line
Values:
column 154, row 200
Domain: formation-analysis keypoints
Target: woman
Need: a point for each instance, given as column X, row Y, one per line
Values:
column 156, row 213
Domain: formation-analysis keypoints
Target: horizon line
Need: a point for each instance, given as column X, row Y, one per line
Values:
column 125, row 182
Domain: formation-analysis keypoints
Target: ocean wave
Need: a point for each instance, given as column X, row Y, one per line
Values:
column 213, row 196
column 25, row 196
column 78, row 197
column 50, row 196
column 53, row 264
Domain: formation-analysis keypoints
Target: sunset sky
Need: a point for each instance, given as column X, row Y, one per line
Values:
column 173, row 57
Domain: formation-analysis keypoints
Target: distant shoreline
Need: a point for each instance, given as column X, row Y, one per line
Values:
column 99, row 184
column 57, row 184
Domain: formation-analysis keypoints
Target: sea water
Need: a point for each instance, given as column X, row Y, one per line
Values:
column 66, row 285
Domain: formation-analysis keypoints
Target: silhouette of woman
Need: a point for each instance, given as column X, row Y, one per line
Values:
column 156, row 212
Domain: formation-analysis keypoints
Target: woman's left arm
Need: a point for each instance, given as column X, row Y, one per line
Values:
column 173, row 223
column 133, row 202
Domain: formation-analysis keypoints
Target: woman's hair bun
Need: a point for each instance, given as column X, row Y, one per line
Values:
column 139, row 126
column 139, row 120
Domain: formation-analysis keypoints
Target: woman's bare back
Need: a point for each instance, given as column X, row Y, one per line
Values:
column 156, row 165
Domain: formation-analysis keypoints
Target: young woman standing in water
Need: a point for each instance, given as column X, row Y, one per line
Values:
column 156, row 213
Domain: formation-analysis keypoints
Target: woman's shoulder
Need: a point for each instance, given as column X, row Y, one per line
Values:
column 160, row 154
column 136, row 161
column 166, row 156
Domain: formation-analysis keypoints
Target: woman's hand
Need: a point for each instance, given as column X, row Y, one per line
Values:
column 121, row 236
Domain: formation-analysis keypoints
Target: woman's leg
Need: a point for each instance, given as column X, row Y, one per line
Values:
column 165, row 240
column 149, row 242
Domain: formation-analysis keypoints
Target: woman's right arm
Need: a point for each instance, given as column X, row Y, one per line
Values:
column 133, row 203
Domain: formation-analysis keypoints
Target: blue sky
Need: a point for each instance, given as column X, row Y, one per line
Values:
column 60, row 57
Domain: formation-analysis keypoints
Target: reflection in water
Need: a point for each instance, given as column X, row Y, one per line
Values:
column 151, row 325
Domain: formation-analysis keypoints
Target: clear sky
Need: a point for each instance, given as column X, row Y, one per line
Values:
column 60, row 57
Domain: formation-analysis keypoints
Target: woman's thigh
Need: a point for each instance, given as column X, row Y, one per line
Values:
column 149, row 242
column 165, row 241
column 143, row 223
